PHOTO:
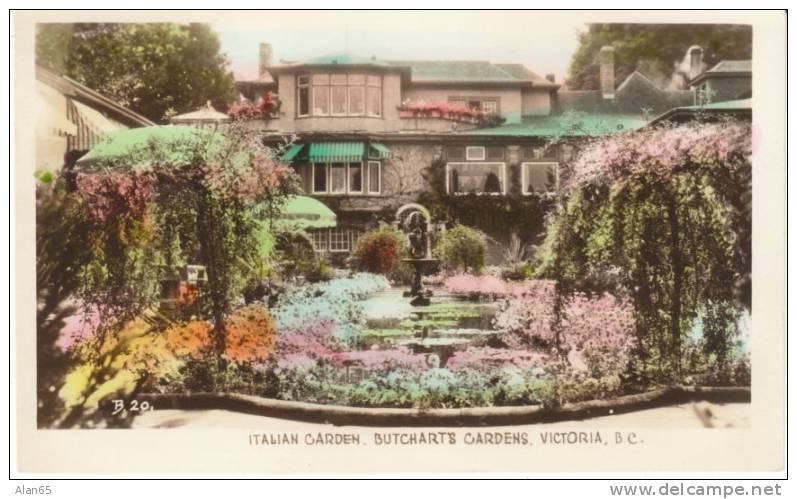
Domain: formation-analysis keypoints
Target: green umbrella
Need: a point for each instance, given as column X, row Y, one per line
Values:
column 124, row 142
column 304, row 212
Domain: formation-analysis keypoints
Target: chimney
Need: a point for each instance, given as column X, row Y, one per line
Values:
column 265, row 58
column 607, row 71
column 551, row 77
column 695, row 61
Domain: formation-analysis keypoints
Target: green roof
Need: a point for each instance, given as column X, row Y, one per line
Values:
column 571, row 125
column 728, row 104
column 458, row 71
column 343, row 59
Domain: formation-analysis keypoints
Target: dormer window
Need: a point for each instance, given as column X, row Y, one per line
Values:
column 339, row 94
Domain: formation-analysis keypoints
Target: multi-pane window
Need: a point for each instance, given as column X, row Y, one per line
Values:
column 340, row 95
column 356, row 234
column 320, row 95
column 485, row 104
column 478, row 178
column 319, row 240
column 539, row 177
column 374, row 177
column 338, row 240
column 346, row 178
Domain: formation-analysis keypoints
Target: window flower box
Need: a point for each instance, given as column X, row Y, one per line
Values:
column 265, row 107
column 448, row 111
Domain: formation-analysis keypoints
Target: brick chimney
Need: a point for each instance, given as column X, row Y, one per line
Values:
column 607, row 71
column 265, row 58
column 695, row 61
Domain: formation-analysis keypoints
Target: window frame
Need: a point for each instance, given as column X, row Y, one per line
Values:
column 346, row 239
column 503, row 178
column 348, row 178
column 469, row 157
column 307, row 85
column 314, row 234
column 326, row 178
column 378, row 165
column 524, row 177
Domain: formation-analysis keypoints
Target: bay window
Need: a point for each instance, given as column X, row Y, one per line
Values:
column 478, row 178
column 346, row 178
column 319, row 240
column 339, row 95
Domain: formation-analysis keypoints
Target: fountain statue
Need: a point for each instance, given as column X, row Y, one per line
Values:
column 416, row 227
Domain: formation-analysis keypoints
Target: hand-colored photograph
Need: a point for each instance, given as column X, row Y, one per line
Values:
column 251, row 227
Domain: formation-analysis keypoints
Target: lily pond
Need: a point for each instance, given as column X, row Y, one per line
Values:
column 448, row 325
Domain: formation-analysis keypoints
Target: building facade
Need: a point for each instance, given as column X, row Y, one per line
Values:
column 365, row 133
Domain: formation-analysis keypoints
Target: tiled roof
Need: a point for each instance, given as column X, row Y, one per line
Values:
column 458, row 71
column 571, row 125
column 521, row 72
column 635, row 93
column 732, row 67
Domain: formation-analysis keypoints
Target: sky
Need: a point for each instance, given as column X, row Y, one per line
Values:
column 543, row 41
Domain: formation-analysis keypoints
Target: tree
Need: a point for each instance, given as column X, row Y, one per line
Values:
column 156, row 69
column 654, row 49
column 660, row 214
column 193, row 194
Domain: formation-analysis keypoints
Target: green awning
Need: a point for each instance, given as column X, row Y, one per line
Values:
column 379, row 150
column 292, row 151
column 335, row 152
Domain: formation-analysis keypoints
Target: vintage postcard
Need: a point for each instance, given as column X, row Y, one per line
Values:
column 380, row 242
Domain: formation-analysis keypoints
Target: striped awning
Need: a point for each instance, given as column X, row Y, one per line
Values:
column 334, row 152
column 292, row 151
column 379, row 150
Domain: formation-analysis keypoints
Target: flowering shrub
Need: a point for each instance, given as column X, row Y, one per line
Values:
column 598, row 333
column 265, row 107
column 336, row 300
column 658, row 152
column 250, row 336
column 461, row 248
column 378, row 250
column 485, row 286
column 529, row 316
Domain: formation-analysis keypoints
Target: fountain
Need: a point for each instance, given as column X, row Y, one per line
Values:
column 416, row 226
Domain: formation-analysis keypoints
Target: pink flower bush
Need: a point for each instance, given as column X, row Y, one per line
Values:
column 660, row 152
column 487, row 286
column 529, row 315
column 112, row 194
column 598, row 333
